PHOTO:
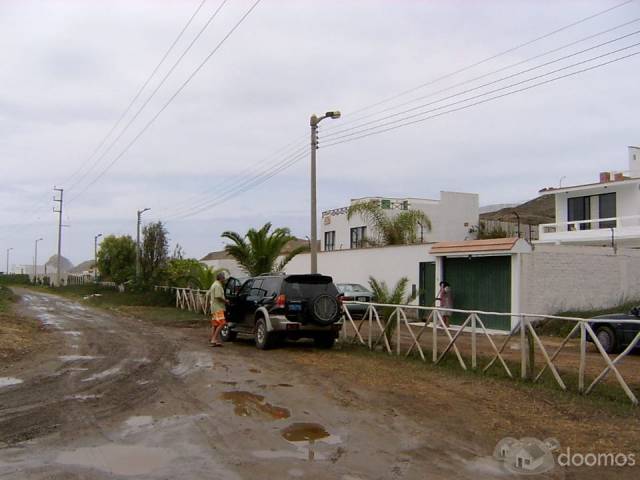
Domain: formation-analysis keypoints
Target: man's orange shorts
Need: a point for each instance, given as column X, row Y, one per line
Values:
column 217, row 319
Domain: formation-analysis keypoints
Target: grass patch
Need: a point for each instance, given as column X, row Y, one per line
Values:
column 561, row 328
column 157, row 307
column 6, row 299
column 605, row 396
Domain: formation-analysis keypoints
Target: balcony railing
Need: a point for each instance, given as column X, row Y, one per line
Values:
column 592, row 229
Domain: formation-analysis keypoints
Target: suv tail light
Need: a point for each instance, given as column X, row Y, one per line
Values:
column 281, row 301
column 346, row 299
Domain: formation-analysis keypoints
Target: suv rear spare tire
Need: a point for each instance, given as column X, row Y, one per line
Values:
column 324, row 309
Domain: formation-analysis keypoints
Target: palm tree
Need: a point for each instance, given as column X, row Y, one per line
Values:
column 397, row 296
column 205, row 276
column 398, row 229
column 258, row 251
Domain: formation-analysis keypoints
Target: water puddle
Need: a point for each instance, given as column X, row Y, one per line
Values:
column 7, row 381
column 119, row 459
column 285, row 385
column 254, row 370
column 304, row 432
column 106, row 373
column 308, row 438
column 139, row 421
column 224, row 382
column 75, row 358
column 249, row 404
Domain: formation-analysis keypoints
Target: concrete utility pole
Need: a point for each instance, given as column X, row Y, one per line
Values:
column 8, row 250
column 95, row 256
column 314, row 121
column 140, row 212
column 59, row 212
column 35, row 261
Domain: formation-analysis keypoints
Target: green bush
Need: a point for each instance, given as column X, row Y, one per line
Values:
column 14, row 279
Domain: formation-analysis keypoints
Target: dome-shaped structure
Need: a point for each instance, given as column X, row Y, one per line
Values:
column 65, row 263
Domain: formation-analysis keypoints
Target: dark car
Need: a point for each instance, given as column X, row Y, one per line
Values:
column 355, row 291
column 615, row 336
column 272, row 308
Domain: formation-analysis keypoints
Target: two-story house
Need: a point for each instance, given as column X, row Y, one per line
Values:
column 451, row 218
column 603, row 213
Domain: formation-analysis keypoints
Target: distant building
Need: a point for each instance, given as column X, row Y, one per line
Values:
column 605, row 213
column 451, row 218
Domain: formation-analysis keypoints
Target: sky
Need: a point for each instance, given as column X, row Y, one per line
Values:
column 70, row 69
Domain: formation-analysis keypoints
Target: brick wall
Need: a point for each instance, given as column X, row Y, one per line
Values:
column 561, row 278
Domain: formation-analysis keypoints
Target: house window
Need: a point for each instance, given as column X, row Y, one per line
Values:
column 607, row 209
column 357, row 237
column 579, row 209
column 329, row 241
column 386, row 204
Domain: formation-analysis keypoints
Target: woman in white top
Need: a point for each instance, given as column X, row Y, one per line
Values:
column 445, row 297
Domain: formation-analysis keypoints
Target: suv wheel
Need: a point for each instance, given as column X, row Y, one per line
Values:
column 324, row 341
column 607, row 339
column 228, row 335
column 263, row 339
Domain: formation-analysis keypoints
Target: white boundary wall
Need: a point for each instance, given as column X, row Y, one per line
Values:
column 355, row 266
column 559, row 278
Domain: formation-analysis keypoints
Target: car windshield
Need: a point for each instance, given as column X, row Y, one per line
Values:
column 304, row 287
column 352, row 287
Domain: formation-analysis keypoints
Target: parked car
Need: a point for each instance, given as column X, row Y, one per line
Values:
column 355, row 291
column 615, row 336
column 272, row 308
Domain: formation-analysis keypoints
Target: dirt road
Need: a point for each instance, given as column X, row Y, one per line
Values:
column 116, row 397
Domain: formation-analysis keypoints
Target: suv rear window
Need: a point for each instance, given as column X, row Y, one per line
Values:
column 305, row 287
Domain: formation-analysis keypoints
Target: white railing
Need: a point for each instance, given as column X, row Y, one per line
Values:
column 588, row 225
column 408, row 334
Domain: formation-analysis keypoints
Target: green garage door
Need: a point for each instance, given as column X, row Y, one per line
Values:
column 481, row 283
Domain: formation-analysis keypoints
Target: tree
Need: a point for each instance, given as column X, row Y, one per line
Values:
column 117, row 258
column 190, row 273
column 155, row 253
column 258, row 251
column 396, row 229
column 397, row 296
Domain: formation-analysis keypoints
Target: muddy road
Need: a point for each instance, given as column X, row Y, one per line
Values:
column 116, row 397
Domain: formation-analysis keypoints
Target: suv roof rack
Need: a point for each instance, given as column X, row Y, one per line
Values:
column 272, row 274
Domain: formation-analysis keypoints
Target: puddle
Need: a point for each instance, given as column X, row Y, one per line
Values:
column 106, row 373
column 83, row 397
column 304, row 432
column 72, row 333
column 254, row 370
column 285, row 385
column 139, row 421
column 224, row 382
column 7, row 381
column 119, row 459
column 75, row 358
column 249, row 404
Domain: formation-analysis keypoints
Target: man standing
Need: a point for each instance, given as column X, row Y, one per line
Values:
column 218, row 304
column 446, row 301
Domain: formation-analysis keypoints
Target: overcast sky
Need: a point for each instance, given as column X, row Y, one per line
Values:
column 70, row 68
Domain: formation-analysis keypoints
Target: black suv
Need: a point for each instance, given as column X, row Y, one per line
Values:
column 272, row 308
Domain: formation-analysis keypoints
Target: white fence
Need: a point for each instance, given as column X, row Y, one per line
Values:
column 378, row 333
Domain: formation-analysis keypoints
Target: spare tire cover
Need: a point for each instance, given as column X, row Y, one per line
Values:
column 324, row 309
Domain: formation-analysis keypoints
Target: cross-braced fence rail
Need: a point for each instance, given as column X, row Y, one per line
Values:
column 385, row 323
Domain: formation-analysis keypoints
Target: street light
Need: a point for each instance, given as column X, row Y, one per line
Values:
column 140, row 212
column 8, row 250
column 95, row 256
column 35, row 261
column 314, row 121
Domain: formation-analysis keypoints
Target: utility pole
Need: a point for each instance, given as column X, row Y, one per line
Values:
column 314, row 121
column 95, row 257
column 8, row 250
column 35, row 261
column 140, row 212
column 59, row 212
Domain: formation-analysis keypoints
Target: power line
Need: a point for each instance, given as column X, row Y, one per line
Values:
column 542, row 65
column 153, row 94
column 464, row 107
column 182, row 86
column 136, row 96
column 480, row 77
column 492, row 57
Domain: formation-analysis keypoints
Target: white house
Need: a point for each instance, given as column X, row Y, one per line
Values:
column 606, row 213
column 451, row 218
